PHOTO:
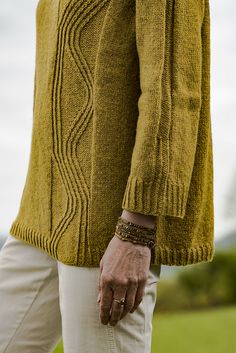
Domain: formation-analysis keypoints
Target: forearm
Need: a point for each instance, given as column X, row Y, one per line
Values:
column 139, row 218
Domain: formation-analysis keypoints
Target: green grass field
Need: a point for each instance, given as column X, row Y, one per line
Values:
column 208, row 331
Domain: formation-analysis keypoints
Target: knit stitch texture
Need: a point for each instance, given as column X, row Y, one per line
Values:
column 121, row 119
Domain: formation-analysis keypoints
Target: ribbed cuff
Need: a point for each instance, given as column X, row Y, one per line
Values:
column 186, row 256
column 154, row 198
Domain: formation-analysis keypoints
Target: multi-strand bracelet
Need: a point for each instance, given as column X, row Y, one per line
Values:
column 135, row 233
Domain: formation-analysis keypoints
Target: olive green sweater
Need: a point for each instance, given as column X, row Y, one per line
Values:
column 121, row 120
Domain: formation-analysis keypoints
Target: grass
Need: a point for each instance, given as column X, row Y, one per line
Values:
column 206, row 331
column 59, row 348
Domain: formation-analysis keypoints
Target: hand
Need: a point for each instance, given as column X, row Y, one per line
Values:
column 124, row 270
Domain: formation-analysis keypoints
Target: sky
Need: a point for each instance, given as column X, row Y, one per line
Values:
column 17, row 43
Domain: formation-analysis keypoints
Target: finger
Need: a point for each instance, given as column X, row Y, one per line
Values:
column 99, row 289
column 99, row 282
column 117, row 308
column 130, row 300
column 106, row 295
column 139, row 297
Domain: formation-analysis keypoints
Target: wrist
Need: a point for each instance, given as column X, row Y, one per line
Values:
column 131, row 231
column 139, row 218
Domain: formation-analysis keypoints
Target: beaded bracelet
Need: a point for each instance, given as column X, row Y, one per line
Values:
column 135, row 233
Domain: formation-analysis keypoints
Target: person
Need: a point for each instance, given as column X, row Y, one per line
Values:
column 120, row 175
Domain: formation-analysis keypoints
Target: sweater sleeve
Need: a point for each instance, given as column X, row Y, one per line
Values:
column 173, row 44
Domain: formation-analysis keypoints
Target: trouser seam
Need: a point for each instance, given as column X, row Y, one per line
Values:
column 111, row 337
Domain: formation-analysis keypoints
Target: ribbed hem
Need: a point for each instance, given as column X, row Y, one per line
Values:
column 154, row 198
column 23, row 232
column 160, row 254
column 183, row 257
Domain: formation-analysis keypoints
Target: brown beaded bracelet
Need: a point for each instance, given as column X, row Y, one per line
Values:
column 135, row 233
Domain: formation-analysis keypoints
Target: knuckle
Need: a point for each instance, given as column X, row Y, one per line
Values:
column 133, row 281
column 121, row 282
column 105, row 307
column 128, row 307
column 143, row 279
column 107, row 279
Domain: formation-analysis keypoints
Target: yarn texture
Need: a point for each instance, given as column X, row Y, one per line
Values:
column 121, row 120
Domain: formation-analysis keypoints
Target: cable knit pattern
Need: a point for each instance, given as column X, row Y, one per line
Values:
column 121, row 119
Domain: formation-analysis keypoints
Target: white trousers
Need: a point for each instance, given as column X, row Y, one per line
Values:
column 43, row 300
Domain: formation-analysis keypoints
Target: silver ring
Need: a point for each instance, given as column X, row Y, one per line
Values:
column 120, row 301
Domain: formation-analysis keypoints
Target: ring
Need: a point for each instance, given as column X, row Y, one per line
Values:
column 120, row 301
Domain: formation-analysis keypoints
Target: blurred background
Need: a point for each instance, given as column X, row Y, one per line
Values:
column 196, row 305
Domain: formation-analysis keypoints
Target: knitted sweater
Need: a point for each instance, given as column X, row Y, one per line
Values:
column 121, row 120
